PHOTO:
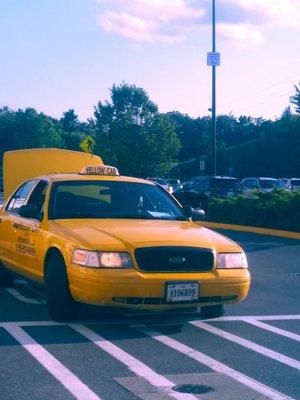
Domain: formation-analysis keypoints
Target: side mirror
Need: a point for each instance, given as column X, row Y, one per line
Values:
column 30, row 211
column 187, row 211
column 197, row 214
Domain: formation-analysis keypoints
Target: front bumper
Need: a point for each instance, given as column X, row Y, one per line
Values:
column 134, row 289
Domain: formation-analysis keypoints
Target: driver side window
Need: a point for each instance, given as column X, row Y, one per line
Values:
column 19, row 198
column 37, row 197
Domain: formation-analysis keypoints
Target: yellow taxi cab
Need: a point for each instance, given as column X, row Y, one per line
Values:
column 91, row 235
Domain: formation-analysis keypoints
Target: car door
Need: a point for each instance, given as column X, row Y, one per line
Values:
column 249, row 185
column 9, row 219
column 26, row 234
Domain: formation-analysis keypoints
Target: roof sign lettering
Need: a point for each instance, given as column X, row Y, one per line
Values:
column 99, row 170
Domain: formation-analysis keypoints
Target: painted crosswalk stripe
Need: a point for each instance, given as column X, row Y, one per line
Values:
column 248, row 344
column 135, row 365
column 70, row 381
column 272, row 329
column 214, row 364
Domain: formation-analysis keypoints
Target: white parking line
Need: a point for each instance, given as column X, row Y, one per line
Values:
column 248, row 344
column 273, row 329
column 257, row 317
column 31, row 323
column 215, row 365
column 22, row 298
column 135, row 365
column 70, row 381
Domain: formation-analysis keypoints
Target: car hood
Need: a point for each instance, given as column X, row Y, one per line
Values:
column 116, row 234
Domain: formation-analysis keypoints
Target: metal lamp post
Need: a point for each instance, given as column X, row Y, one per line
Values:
column 213, row 60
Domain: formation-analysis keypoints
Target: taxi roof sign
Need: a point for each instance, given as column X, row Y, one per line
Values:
column 99, row 170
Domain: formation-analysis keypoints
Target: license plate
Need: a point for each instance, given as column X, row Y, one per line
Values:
column 182, row 292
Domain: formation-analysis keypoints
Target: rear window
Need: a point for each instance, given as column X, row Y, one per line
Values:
column 173, row 182
column 295, row 182
column 270, row 183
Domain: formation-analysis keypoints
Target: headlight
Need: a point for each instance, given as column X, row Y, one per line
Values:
column 232, row 260
column 103, row 259
column 115, row 260
column 86, row 258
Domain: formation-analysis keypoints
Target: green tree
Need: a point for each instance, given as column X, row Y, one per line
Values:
column 295, row 99
column 193, row 134
column 132, row 134
column 27, row 129
column 69, row 121
column 72, row 133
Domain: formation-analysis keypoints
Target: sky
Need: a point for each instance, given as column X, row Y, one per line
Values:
column 62, row 54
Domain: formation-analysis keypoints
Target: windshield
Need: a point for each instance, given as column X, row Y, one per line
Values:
column 107, row 199
column 223, row 184
column 270, row 183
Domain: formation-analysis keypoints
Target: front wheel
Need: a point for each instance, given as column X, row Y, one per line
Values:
column 212, row 311
column 6, row 279
column 60, row 303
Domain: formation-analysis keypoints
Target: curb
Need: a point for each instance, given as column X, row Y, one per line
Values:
column 252, row 229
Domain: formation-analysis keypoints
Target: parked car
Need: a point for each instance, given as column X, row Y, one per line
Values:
column 292, row 183
column 262, row 184
column 285, row 181
column 197, row 191
column 162, row 182
column 175, row 184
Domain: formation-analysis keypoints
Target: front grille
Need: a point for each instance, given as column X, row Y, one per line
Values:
column 174, row 259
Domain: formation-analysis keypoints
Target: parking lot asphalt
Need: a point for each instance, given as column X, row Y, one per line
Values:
column 252, row 352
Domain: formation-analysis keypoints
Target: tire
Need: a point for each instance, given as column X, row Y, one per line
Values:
column 212, row 311
column 60, row 303
column 6, row 279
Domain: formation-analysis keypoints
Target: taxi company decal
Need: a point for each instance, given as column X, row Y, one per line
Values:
column 24, row 247
column 28, row 228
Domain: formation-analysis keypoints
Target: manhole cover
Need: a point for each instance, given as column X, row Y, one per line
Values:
column 195, row 389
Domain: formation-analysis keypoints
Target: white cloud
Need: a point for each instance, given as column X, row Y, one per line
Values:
column 149, row 20
column 280, row 13
column 169, row 21
column 241, row 34
column 166, row 10
column 127, row 25
column 135, row 28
